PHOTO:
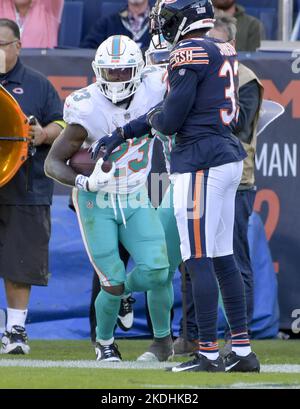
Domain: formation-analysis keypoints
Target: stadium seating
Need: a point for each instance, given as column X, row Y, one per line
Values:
column 92, row 10
column 266, row 11
column 268, row 17
column 79, row 16
column 296, row 30
column 259, row 3
column 71, row 24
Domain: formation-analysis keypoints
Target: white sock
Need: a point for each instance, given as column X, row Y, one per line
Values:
column 106, row 342
column 242, row 351
column 15, row 317
column 210, row 355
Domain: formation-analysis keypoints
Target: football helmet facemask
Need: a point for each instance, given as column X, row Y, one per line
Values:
column 158, row 52
column 175, row 18
column 118, row 65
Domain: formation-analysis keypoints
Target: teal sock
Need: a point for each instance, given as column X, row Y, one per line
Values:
column 160, row 301
column 107, row 307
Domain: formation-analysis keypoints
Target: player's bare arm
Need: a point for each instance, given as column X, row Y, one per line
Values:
column 63, row 148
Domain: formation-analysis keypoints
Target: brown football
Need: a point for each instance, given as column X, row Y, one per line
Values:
column 82, row 163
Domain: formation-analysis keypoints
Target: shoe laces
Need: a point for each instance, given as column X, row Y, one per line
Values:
column 109, row 350
column 17, row 329
column 18, row 333
column 126, row 305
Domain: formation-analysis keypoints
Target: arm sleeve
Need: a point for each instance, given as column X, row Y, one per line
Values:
column 249, row 102
column 178, row 103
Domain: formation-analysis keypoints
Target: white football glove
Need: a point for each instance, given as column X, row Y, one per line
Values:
column 97, row 179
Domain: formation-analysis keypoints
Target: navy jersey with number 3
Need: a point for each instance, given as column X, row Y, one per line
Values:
column 202, row 105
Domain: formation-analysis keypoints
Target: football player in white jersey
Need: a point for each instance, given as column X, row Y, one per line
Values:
column 157, row 57
column 114, row 206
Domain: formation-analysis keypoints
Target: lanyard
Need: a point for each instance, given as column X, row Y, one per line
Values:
column 20, row 21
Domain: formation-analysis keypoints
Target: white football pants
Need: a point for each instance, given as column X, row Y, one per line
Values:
column 204, row 204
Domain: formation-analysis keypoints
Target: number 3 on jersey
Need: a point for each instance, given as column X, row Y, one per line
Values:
column 230, row 71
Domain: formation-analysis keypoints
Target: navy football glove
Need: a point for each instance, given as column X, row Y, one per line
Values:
column 108, row 144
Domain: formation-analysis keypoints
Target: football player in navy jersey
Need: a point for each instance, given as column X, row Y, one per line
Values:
column 206, row 166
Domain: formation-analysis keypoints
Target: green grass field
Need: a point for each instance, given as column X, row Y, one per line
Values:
column 284, row 354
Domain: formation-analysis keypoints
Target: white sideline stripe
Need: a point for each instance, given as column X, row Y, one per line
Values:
column 278, row 368
column 33, row 363
column 28, row 363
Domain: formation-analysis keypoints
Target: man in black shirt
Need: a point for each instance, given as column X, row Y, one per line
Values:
column 25, row 200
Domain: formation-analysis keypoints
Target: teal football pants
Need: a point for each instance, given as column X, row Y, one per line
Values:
column 104, row 220
column 161, row 300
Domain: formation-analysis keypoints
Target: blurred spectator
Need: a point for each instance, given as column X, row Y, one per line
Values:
column 38, row 20
column 25, row 200
column 250, row 31
column 133, row 21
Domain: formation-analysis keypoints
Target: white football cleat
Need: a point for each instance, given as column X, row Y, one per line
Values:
column 125, row 316
column 15, row 342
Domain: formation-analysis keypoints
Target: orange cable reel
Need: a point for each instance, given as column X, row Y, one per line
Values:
column 14, row 137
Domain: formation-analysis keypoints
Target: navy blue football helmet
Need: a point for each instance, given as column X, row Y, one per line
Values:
column 175, row 18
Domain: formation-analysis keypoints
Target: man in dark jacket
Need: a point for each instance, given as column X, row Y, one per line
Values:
column 132, row 21
column 250, row 31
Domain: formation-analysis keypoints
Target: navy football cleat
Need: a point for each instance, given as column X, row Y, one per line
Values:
column 200, row 364
column 236, row 363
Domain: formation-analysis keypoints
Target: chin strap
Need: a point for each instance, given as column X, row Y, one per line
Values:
column 180, row 28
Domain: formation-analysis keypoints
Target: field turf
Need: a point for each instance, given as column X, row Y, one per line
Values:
column 37, row 371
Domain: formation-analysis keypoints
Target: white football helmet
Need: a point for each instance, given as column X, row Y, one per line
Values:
column 118, row 65
column 158, row 52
